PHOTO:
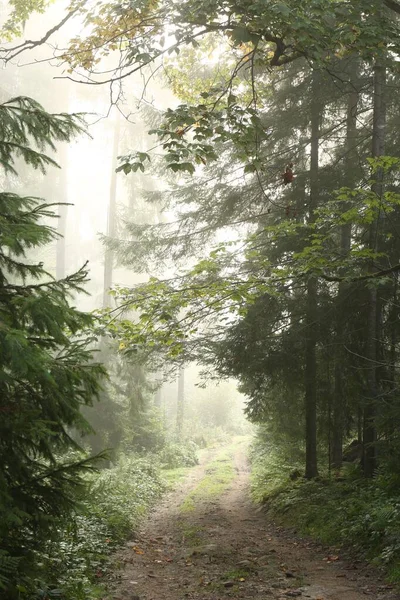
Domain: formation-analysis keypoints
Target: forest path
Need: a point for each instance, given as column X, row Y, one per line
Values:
column 208, row 541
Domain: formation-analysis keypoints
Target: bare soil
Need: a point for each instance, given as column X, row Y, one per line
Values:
column 226, row 548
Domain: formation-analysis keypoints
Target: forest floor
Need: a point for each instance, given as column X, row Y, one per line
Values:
column 208, row 541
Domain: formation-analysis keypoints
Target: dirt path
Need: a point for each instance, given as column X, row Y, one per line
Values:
column 223, row 547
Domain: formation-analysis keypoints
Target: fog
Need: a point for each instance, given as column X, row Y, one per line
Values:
column 98, row 202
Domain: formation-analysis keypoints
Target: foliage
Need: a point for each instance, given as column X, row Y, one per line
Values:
column 120, row 495
column 274, row 33
column 47, row 365
column 258, row 36
column 76, row 562
column 21, row 10
column 170, row 311
column 178, row 454
column 125, row 417
column 242, row 306
column 24, row 124
column 358, row 515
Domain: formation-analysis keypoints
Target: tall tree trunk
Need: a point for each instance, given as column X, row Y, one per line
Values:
column 311, row 323
column 394, row 318
column 62, row 196
column 180, row 412
column 158, row 397
column 111, row 220
column 345, row 243
column 374, row 305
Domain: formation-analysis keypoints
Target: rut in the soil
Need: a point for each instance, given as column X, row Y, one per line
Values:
column 225, row 548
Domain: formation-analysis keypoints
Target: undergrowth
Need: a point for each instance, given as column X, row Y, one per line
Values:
column 175, row 455
column 360, row 515
column 73, row 565
column 75, row 562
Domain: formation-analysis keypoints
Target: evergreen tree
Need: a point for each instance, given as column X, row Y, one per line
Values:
column 47, row 368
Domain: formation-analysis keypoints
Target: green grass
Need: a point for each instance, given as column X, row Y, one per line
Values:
column 173, row 476
column 235, row 574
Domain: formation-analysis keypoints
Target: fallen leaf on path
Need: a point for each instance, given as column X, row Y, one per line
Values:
column 137, row 550
column 331, row 558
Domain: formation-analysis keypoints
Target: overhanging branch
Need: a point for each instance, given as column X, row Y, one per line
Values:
column 30, row 44
column 375, row 275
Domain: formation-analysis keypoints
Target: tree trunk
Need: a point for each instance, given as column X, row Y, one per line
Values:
column 158, row 397
column 111, row 221
column 311, row 323
column 374, row 306
column 345, row 243
column 62, row 196
column 180, row 403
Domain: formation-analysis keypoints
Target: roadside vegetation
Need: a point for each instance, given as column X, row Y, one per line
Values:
column 357, row 516
column 76, row 562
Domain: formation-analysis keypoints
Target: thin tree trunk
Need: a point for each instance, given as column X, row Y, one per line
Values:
column 111, row 221
column 393, row 334
column 345, row 243
column 62, row 196
column 310, row 399
column 180, row 412
column 158, row 397
column 374, row 305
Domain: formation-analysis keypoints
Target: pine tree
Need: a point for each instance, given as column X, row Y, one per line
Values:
column 47, row 368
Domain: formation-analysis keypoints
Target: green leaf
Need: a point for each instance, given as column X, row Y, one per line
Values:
column 241, row 35
column 185, row 166
column 143, row 57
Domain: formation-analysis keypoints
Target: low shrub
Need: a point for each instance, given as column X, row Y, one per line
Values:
column 178, row 454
